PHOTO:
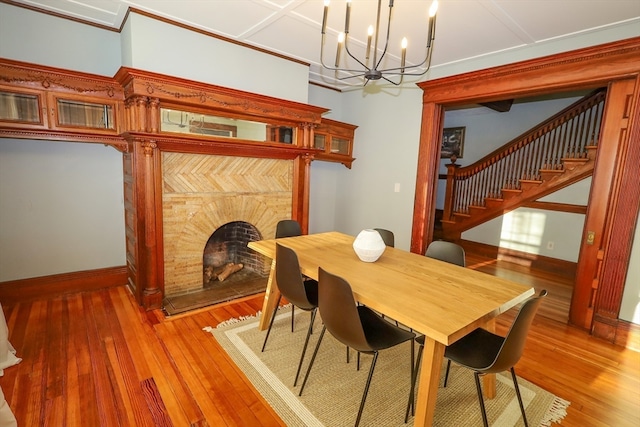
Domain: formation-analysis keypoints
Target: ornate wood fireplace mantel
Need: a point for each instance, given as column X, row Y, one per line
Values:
column 143, row 115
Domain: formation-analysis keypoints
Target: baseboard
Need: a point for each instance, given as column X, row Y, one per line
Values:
column 628, row 335
column 551, row 265
column 46, row 287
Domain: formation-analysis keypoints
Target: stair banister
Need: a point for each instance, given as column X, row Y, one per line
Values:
column 544, row 148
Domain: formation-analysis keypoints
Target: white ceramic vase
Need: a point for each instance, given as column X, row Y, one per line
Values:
column 368, row 245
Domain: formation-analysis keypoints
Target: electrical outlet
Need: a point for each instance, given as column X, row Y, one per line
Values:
column 550, row 245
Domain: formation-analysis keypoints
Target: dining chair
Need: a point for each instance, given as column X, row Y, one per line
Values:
column 299, row 292
column 288, row 228
column 387, row 236
column 356, row 326
column 484, row 352
column 446, row 251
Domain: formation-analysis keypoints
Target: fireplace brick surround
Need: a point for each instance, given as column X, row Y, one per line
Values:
column 201, row 193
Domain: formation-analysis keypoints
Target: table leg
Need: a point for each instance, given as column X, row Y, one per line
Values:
column 270, row 299
column 489, row 380
column 432, row 357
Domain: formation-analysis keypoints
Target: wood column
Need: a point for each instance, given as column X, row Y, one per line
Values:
column 301, row 191
column 149, row 286
column 427, row 177
column 622, row 212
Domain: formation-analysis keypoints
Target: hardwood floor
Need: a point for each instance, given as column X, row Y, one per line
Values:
column 96, row 359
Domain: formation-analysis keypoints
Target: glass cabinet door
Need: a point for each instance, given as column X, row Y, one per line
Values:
column 85, row 114
column 20, row 107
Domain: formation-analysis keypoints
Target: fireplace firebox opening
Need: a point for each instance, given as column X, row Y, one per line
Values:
column 226, row 257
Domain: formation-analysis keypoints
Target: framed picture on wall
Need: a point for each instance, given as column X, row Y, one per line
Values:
column 452, row 142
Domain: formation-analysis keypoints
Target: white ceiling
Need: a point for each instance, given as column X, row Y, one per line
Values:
column 465, row 28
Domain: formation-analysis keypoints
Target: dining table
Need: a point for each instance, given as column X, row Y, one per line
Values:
column 443, row 301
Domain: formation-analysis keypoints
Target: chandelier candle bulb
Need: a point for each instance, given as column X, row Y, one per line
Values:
column 432, row 21
column 339, row 49
column 369, row 36
column 324, row 16
column 347, row 18
column 404, row 54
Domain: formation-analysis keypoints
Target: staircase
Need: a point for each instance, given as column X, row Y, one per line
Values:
column 554, row 154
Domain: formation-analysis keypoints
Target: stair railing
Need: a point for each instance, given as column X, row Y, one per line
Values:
column 567, row 134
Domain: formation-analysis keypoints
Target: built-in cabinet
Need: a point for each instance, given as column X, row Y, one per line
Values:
column 143, row 114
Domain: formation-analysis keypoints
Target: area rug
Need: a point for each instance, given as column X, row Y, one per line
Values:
column 334, row 389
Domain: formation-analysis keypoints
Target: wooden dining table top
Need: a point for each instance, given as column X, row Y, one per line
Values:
column 441, row 300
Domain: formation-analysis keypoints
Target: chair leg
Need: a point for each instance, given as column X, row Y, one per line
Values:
column 446, row 373
column 313, row 358
column 481, row 399
column 411, row 404
column 515, row 385
column 366, row 388
column 306, row 342
column 293, row 308
column 273, row 316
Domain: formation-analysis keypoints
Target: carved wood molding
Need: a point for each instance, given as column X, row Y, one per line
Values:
column 49, row 78
column 190, row 93
column 116, row 142
column 590, row 67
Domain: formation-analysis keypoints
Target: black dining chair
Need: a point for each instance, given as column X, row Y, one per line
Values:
column 447, row 252
column 487, row 353
column 288, row 228
column 387, row 236
column 356, row 326
column 300, row 293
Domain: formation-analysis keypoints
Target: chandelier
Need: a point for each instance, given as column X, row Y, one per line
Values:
column 373, row 72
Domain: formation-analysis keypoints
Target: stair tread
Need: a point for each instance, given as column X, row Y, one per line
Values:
column 531, row 181
column 461, row 214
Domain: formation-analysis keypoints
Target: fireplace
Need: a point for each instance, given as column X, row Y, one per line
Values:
column 226, row 256
column 211, row 200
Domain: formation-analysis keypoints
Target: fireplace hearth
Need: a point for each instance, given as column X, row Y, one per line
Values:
column 212, row 206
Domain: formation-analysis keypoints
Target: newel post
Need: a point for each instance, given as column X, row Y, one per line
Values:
column 450, row 191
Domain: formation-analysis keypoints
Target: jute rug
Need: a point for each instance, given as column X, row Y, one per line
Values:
column 334, row 389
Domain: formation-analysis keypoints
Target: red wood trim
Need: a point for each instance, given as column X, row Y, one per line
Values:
column 557, row 207
column 426, row 180
column 47, row 287
column 555, row 266
column 622, row 210
column 589, row 67
column 628, row 335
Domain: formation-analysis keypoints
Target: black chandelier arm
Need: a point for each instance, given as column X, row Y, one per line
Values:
column 411, row 67
column 346, row 48
column 372, row 72
column 386, row 43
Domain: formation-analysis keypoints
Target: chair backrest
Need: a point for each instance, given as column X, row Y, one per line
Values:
column 339, row 311
column 514, row 341
column 446, row 251
column 289, row 277
column 387, row 236
column 288, row 228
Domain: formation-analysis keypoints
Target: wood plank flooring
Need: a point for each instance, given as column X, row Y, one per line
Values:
column 97, row 359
